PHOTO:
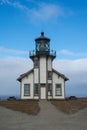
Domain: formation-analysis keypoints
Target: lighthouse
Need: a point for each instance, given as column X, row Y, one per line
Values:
column 42, row 81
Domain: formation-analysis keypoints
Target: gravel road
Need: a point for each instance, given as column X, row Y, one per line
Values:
column 49, row 118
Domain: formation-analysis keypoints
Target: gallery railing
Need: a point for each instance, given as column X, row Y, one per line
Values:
column 38, row 53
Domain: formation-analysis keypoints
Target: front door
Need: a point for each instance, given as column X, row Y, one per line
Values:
column 43, row 91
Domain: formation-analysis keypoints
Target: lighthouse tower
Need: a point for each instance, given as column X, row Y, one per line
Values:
column 42, row 58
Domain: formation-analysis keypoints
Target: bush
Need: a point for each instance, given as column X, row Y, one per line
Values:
column 11, row 98
column 72, row 97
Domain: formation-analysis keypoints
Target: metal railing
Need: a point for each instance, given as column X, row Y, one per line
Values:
column 38, row 53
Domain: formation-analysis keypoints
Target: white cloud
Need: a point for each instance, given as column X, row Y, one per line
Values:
column 75, row 70
column 71, row 66
column 40, row 12
column 14, row 4
column 74, row 54
column 66, row 52
column 4, row 1
column 45, row 12
column 11, row 52
column 10, row 69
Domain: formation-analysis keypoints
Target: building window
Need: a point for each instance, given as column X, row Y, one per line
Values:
column 36, row 63
column 58, row 90
column 35, row 89
column 49, row 74
column 49, row 89
column 26, row 89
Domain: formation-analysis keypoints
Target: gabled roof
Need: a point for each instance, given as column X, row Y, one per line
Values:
column 62, row 75
column 24, row 75
column 30, row 71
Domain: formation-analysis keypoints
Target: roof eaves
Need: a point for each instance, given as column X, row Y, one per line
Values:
column 24, row 75
column 62, row 75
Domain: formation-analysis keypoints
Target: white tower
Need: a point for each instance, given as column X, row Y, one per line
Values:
column 42, row 59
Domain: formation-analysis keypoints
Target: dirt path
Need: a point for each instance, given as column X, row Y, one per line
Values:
column 49, row 118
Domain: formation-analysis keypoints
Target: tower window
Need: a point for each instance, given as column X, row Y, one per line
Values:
column 26, row 89
column 35, row 89
column 58, row 91
column 49, row 74
column 49, row 89
column 36, row 63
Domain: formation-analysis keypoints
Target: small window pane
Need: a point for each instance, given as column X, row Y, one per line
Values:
column 26, row 89
column 58, row 90
column 36, row 89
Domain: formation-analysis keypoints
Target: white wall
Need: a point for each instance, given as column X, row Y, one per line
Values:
column 58, row 80
column 49, row 63
column 42, row 69
column 27, row 80
column 36, row 79
column 36, row 75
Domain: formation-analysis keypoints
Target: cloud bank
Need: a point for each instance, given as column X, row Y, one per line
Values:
column 6, row 52
column 10, row 69
column 75, row 70
column 70, row 53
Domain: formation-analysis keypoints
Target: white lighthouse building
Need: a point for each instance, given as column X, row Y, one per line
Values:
column 42, row 81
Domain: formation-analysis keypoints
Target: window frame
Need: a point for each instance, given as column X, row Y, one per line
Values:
column 26, row 89
column 58, row 90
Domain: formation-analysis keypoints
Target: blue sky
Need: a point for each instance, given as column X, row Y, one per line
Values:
column 64, row 21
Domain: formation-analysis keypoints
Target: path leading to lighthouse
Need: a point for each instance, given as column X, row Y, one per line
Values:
column 49, row 118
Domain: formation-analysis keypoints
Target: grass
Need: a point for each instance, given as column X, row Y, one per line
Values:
column 70, row 106
column 25, row 106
